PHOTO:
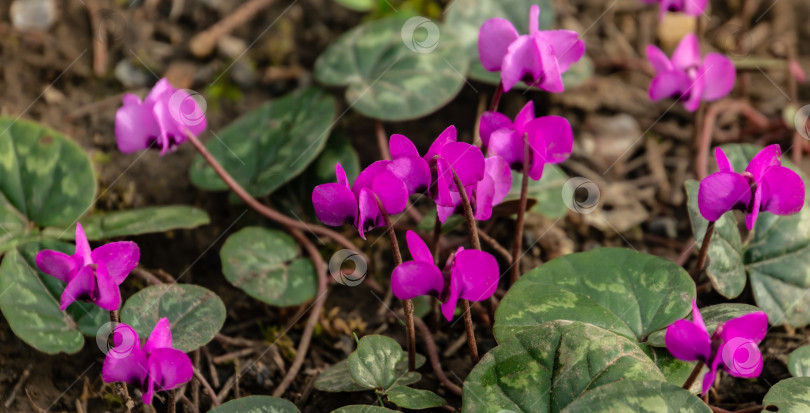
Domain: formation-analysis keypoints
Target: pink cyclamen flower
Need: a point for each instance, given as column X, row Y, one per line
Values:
column 551, row 139
column 538, row 58
column 473, row 276
column 154, row 367
column 163, row 119
column 92, row 276
column 689, row 78
column 338, row 203
column 734, row 344
column 485, row 194
column 690, row 7
column 765, row 185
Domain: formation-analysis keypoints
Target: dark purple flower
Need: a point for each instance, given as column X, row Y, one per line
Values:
column 92, row 276
column 154, row 367
column 689, row 78
column 538, row 58
column 690, row 7
column 338, row 203
column 473, row 276
column 734, row 343
column 164, row 118
column 485, row 194
column 765, row 185
column 551, row 139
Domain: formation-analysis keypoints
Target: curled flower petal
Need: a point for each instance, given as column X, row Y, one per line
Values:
column 741, row 357
column 507, row 144
column 119, row 258
column 566, row 45
column 400, row 146
column 414, row 278
column 782, row 191
column 719, row 75
column 447, row 136
column 491, row 122
column 669, row 84
column 688, row 341
column 108, row 295
column 419, row 250
column 125, row 363
column 413, row 171
column 56, row 264
column 466, row 160
column 723, row 164
column 81, row 287
column 83, row 255
column 687, row 54
column 721, row 192
column 494, row 38
column 340, row 175
column 484, row 198
column 477, row 274
column 168, row 370
column 161, row 336
column 369, row 212
column 497, row 168
column 523, row 117
column 763, row 160
column 708, row 378
column 334, row 204
column 367, row 176
column 135, row 126
column 392, row 192
column 659, row 60
column 554, row 134
column 523, row 61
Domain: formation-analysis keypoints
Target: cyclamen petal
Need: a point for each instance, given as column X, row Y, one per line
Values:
column 400, row 146
column 168, row 369
column 334, row 204
column 161, row 336
column 477, row 273
column 119, row 258
column 782, row 191
column 449, row 135
column 719, row 76
column 687, row 54
column 687, row 341
column 81, row 287
column 751, row 326
column 721, row 192
column 493, row 41
column 419, row 250
column 108, row 295
column 492, row 122
column 56, row 264
column 414, row 278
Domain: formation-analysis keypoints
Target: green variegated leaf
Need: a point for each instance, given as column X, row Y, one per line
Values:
column 256, row 404
column 725, row 270
column 395, row 68
column 415, row 399
column 373, row 364
column 271, row 144
column 627, row 292
column 106, row 225
column 338, row 379
column 799, row 362
column 638, row 397
column 790, row 395
column 357, row 408
column 547, row 192
column 195, row 313
column 266, row 265
column 550, row 366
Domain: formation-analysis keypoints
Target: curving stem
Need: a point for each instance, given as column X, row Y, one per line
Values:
column 704, row 251
column 407, row 305
column 524, row 188
column 693, row 376
column 496, row 98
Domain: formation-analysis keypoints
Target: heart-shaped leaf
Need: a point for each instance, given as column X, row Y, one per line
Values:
column 415, row 399
column 627, row 292
column 638, row 396
column 799, row 362
column 195, row 313
column 712, row 316
column 777, row 254
column 549, row 366
column 104, row 225
column 271, row 144
column 547, row 191
column 373, row 364
column 790, row 395
column 726, row 270
column 256, row 404
column 266, row 265
column 395, row 68
column 47, row 180
column 29, row 300
column 338, row 379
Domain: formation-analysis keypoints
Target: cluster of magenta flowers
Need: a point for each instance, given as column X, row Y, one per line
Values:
column 733, row 347
column 94, row 276
column 765, row 185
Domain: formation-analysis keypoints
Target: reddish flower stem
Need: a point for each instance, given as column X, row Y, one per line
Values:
column 524, row 188
column 120, row 388
column 693, row 376
column 704, row 251
column 380, row 131
column 407, row 305
column 496, row 98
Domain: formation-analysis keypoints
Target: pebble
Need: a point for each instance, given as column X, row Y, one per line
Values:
column 131, row 76
column 33, row 14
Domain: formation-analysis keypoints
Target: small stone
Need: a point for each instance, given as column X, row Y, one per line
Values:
column 673, row 28
column 243, row 74
column 33, row 14
column 231, row 47
column 131, row 76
